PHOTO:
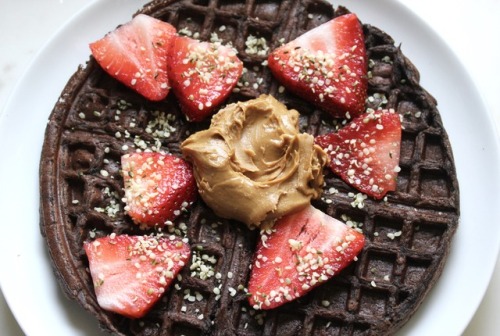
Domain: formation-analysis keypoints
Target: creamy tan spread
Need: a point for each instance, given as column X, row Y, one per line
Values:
column 253, row 165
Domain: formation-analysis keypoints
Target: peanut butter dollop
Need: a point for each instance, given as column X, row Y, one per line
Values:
column 253, row 165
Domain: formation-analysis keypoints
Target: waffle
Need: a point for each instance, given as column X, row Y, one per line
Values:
column 96, row 120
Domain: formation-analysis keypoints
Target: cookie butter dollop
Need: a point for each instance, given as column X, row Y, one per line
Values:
column 253, row 164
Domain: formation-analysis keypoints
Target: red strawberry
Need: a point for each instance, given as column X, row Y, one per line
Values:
column 365, row 152
column 157, row 187
column 304, row 250
column 130, row 273
column 202, row 75
column 326, row 66
column 136, row 55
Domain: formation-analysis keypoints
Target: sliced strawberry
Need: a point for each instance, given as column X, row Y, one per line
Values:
column 304, row 250
column 136, row 55
column 365, row 153
column 326, row 66
column 157, row 187
column 202, row 75
column 130, row 273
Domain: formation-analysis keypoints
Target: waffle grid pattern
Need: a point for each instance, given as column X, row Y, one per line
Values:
column 408, row 235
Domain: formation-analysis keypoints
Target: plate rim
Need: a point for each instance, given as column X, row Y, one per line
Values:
column 97, row 3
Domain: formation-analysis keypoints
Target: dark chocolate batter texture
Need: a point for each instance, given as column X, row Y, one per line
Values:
column 97, row 119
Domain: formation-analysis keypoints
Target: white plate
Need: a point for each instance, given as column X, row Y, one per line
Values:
column 27, row 280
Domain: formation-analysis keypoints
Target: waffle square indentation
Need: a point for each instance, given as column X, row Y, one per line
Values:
column 414, row 116
column 403, row 180
column 80, row 157
column 387, row 231
column 372, row 302
column 427, row 236
column 408, row 141
column 190, row 22
column 415, row 271
column 333, row 296
column 316, row 14
column 225, row 30
column 257, row 43
column 211, row 229
column 433, row 148
column 352, row 217
column 288, row 324
column 182, row 329
column 434, row 183
column 378, row 266
column 329, row 327
column 76, row 188
column 266, row 10
column 250, row 321
column 91, row 108
column 231, row 6
column 195, row 302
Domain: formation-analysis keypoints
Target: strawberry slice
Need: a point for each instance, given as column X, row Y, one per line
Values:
column 131, row 273
column 304, row 250
column 157, row 187
column 202, row 75
column 326, row 66
column 136, row 55
column 365, row 153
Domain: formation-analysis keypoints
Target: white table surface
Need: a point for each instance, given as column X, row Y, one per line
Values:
column 469, row 29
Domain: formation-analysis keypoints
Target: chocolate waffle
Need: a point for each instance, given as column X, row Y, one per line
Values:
column 97, row 120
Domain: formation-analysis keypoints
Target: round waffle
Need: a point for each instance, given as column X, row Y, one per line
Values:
column 97, row 120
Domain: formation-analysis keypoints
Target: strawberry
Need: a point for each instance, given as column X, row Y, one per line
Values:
column 157, row 187
column 326, row 66
column 365, row 153
column 202, row 74
column 131, row 273
column 136, row 55
column 303, row 250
